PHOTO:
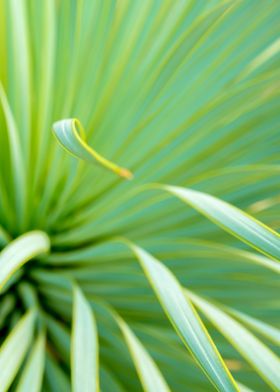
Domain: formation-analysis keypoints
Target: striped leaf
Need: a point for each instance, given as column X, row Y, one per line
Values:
column 232, row 219
column 84, row 346
column 266, row 363
column 185, row 320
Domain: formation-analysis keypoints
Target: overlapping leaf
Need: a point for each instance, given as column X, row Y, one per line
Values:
column 232, row 219
column 185, row 320
column 261, row 357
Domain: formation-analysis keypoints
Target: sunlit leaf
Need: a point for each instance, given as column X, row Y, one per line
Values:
column 268, row 331
column 21, row 250
column 84, row 347
column 232, row 219
column 14, row 348
column 266, row 363
column 185, row 320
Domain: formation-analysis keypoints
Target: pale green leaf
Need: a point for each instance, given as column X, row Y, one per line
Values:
column 84, row 346
column 149, row 374
column 72, row 137
column 17, row 162
column 268, row 331
column 244, row 388
column 20, row 84
column 13, row 350
column 185, row 320
column 32, row 376
column 265, row 362
column 272, row 50
column 231, row 219
column 21, row 250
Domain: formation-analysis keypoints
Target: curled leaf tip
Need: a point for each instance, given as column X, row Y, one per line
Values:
column 70, row 134
column 125, row 173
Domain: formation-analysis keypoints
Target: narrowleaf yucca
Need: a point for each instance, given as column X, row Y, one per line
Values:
column 155, row 268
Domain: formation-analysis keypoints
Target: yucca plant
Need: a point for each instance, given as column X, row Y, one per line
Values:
column 158, row 277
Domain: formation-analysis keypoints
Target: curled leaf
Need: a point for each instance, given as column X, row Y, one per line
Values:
column 71, row 136
column 21, row 250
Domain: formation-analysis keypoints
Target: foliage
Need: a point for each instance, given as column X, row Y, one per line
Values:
column 162, row 276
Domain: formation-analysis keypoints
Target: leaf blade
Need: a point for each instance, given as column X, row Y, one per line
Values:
column 149, row 374
column 21, row 250
column 14, row 348
column 84, row 346
column 252, row 349
column 71, row 136
column 185, row 320
column 32, row 376
column 231, row 219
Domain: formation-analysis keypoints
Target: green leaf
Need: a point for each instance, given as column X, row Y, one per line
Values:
column 13, row 350
column 21, row 250
column 109, row 382
column 32, row 376
column 57, row 380
column 4, row 237
column 265, row 362
column 182, row 92
column 271, row 333
column 232, row 219
column 84, row 346
column 185, row 320
column 72, row 137
column 20, row 82
column 59, row 336
column 149, row 374
column 244, row 388
column 272, row 50
column 6, row 307
column 18, row 174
